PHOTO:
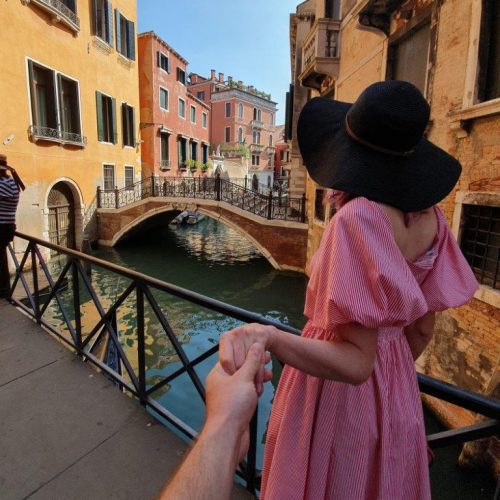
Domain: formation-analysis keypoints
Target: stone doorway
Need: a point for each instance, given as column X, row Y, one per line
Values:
column 61, row 206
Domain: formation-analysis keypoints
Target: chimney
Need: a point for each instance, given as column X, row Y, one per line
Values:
column 221, row 77
column 229, row 80
column 240, row 84
column 212, row 74
column 251, row 88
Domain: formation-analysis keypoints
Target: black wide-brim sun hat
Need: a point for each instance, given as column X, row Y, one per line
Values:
column 375, row 147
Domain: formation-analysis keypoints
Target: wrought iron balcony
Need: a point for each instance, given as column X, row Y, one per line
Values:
column 38, row 133
column 256, row 148
column 257, row 124
column 165, row 164
column 59, row 11
column 320, row 53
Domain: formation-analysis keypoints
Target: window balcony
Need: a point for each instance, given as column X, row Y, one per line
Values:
column 270, row 149
column 165, row 165
column 256, row 148
column 38, row 133
column 59, row 11
column 320, row 53
column 257, row 124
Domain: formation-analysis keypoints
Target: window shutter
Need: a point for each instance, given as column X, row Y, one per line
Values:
column 34, row 114
column 100, row 124
column 118, row 31
column 124, row 123
column 94, row 17
column 131, row 40
column 132, row 126
column 168, row 64
column 61, row 119
column 109, row 23
column 115, row 128
column 158, row 58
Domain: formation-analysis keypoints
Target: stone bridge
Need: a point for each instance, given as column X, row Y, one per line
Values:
column 282, row 242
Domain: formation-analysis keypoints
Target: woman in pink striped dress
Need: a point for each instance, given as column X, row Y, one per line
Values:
column 347, row 420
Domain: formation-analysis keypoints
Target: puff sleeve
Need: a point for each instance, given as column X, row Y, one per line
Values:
column 359, row 274
column 450, row 282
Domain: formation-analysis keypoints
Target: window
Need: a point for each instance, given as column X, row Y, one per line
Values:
column 489, row 51
column 409, row 56
column 163, row 98
column 319, row 205
column 182, row 108
column 271, row 119
column 240, row 134
column 109, row 177
column 228, row 109
column 181, row 76
column 128, row 125
column 332, row 9
column 163, row 61
column 194, row 150
column 192, row 114
column 256, row 137
column 228, row 134
column 200, row 95
column 204, row 152
column 106, row 118
column 55, row 105
column 480, row 242
column 257, row 114
column 129, row 176
column 103, row 20
column 270, row 140
column 125, row 36
column 164, row 151
column 255, row 160
column 182, row 152
column 204, row 120
column 240, row 110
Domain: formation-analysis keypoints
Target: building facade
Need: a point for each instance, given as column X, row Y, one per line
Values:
column 450, row 49
column 70, row 108
column 242, row 122
column 175, row 124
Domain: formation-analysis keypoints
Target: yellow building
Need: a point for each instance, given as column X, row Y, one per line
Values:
column 70, row 101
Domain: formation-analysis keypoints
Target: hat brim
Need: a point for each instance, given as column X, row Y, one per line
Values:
column 334, row 160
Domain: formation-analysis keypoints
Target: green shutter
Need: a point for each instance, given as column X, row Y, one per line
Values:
column 132, row 127
column 100, row 124
column 94, row 20
column 115, row 128
column 131, row 40
column 124, row 124
column 158, row 58
column 62, row 119
column 118, row 32
column 109, row 23
column 34, row 114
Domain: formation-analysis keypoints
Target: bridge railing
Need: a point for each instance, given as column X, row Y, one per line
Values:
column 98, row 339
column 274, row 205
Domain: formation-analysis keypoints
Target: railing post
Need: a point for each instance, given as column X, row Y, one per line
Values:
column 36, row 293
column 98, row 197
column 245, row 182
column 117, row 205
column 141, row 345
column 270, row 205
column 76, row 305
column 217, row 186
column 303, row 208
column 153, row 185
column 4, row 274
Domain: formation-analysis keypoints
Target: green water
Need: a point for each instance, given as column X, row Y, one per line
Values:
column 214, row 260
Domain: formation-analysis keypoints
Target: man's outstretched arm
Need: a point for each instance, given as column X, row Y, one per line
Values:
column 207, row 472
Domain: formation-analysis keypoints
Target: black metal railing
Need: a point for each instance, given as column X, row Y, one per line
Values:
column 74, row 278
column 274, row 205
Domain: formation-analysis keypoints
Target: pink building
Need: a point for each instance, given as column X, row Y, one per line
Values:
column 242, row 119
column 175, row 125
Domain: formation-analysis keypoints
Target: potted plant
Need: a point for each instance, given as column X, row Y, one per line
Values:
column 191, row 164
column 206, row 166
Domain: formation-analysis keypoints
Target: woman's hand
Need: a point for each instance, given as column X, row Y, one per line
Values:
column 235, row 344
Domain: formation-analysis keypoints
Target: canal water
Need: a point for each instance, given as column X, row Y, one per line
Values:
column 213, row 259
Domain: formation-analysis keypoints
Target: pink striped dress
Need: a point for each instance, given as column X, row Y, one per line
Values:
column 332, row 440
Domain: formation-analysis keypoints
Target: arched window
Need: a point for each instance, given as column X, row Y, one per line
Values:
column 240, row 134
column 240, row 110
column 270, row 140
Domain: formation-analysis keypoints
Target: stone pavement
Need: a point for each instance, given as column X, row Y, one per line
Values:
column 66, row 432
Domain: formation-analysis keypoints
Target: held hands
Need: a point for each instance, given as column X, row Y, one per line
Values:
column 236, row 343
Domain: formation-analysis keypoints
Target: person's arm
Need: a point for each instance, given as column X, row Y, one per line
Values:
column 207, row 472
column 420, row 333
column 349, row 359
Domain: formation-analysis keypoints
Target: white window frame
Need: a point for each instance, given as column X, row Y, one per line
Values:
column 168, row 97
column 179, row 108
column 241, row 110
column 271, row 118
column 204, row 119
column 191, row 109
column 168, row 62
column 225, row 109
column 108, row 164
column 125, row 167
column 116, row 121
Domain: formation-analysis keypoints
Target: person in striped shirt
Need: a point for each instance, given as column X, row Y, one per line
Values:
column 9, row 199
column 347, row 420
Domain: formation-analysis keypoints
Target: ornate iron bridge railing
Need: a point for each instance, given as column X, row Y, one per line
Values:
column 274, row 205
column 74, row 280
